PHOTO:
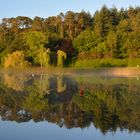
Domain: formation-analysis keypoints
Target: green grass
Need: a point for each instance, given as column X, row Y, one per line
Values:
column 108, row 62
column 99, row 63
column 134, row 62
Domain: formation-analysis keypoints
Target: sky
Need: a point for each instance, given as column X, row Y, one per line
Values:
column 46, row 8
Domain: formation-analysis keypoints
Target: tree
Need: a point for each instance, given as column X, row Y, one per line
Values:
column 69, row 22
column 132, row 44
column 43, row 57
column 37, row 24
column 61, row 57
column 103, row 22
column 24, row 22
column 86, row 41
column 36, row 42
column 60, row 18
column 51, row 24
column 101, row 50
column 111, row 43
column 16, row 60
column 82, row 21
column 114, row 16
column 54, row 41
column 113, row 29
column 122, row 32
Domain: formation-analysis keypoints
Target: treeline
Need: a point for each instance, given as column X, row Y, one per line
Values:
column 69, row 38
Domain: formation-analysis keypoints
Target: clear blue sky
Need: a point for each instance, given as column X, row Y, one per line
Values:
column 45, row 8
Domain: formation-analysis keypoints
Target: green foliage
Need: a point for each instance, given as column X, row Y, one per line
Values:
column 110, row 33
column 43, row 57
column 86, row 41
column 101, row 50
column 35, row 40
column 111, row 43
column 132, row 45
column 93, row 63
column 103, row 22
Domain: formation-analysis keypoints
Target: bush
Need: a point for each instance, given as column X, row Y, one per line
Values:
column 16, row 60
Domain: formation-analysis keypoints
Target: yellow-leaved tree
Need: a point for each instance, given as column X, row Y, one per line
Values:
column 61, row 57
column 43, row 57
column 16, row 60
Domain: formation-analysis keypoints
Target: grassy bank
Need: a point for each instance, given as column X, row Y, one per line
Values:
column 95, row 63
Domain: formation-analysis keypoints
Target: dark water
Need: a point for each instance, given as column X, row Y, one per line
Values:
column 58, row 106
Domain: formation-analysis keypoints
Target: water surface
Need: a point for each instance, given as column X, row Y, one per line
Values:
column 69, row 105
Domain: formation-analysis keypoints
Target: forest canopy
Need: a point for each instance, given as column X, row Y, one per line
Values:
column 110, row 34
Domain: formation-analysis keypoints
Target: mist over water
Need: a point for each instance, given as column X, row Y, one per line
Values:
column 70, row 103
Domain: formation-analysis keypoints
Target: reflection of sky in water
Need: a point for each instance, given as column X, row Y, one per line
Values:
column 65, row 88
column 45, row 130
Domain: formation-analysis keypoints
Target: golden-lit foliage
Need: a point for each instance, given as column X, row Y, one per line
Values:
column 43, row 57
column 16, row 60
column 61, row 57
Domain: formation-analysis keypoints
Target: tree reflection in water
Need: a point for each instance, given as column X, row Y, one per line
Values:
column 57, row 99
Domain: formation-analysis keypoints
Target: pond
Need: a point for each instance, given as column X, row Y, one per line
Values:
column 69, row 104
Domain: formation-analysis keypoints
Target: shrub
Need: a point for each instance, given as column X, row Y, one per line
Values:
column 16, row 60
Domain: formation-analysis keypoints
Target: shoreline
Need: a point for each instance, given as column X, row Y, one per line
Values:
column 104, row 71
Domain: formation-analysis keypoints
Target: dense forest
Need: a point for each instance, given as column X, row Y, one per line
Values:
column 110, row 37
